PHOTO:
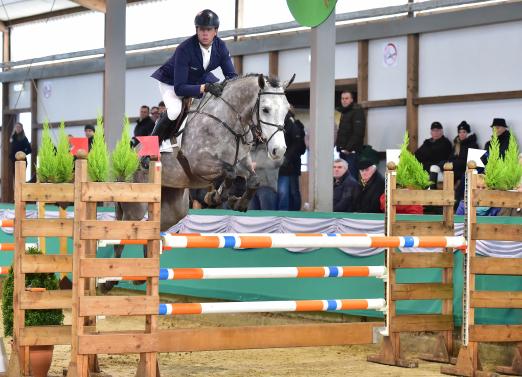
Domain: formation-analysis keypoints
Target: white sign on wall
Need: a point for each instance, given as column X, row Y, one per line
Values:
column 47, row 89
column 390, row 54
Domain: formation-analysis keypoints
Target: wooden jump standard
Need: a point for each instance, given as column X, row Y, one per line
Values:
column 468, row 362
column 390, row 353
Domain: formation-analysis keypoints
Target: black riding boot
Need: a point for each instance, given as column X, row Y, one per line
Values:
column 433, row 178
column 162, row 127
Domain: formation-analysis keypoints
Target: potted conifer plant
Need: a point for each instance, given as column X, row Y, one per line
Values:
column 98, row 157
column 49, row 281
column 503, row 173
column 410, row 173
column 124, row 158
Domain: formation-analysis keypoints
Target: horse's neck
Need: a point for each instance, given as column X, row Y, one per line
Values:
column 235, row 108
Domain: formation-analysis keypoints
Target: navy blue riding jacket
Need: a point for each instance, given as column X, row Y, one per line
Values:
column 184, row 70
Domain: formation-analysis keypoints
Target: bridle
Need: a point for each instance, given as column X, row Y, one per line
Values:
column 254, row 128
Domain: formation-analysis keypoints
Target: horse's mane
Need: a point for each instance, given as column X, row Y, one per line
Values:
column 272, row 81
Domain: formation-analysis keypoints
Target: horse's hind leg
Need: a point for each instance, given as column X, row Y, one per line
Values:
column 174, row 206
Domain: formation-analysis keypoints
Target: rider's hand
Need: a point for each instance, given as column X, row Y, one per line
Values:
column 214, row 88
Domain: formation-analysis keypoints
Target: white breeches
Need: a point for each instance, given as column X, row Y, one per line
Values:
column 172, row 101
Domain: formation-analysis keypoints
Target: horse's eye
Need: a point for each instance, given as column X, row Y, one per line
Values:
column 266, row 110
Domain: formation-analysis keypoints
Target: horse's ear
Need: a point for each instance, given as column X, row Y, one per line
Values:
column 261, row 81
column 286, row 84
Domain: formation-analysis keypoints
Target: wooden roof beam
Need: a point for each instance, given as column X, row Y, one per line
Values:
column 97, row 5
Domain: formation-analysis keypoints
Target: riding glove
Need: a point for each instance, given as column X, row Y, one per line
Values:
column 214, row 88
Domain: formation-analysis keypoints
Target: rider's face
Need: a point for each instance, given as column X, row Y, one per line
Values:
column 206, row 35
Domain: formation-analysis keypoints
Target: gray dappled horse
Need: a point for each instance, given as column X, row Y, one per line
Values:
column 216, row 143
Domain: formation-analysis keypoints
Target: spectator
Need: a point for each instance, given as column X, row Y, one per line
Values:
column 459, row 157
column 266, row 170
column 352, row 128
column 501, row 129
column 434, row 152
column 481, row 211
column 154, row 113
column 145, row 124
column 372, row 188
column 18, row 142
column 289, row 195
column 462, row 142
column 161, row 107
column 89, row 134
column 345, row 188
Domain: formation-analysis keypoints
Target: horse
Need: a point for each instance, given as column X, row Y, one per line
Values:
column 216, row 141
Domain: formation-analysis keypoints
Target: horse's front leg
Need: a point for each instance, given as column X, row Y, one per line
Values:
column 215, row 198
column 245, row 169
column 252, row 183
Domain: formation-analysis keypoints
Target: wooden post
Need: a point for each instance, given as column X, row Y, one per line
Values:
column 63, row 240
column 148, row 365
column 79, row 363
column 273, row 63
column 19, row 362
column 238, row 64
column 41, row 215
column 412, row 91
column 362, row 78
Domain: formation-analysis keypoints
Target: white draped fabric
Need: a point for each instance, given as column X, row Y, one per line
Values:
column 275, row 224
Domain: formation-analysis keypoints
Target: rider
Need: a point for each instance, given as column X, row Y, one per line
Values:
column 188, row 72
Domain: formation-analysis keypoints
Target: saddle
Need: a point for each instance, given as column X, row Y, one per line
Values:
column 174, row 131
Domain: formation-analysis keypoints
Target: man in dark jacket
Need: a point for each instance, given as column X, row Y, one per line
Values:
column 372, row 183
column 345, row 188
column 352, row 128
column 188, row 73
column 288, row 193
column 501, row 129
column 434, row 152
column 145, row 124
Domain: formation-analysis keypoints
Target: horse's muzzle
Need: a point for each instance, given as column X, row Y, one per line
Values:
column 276, row 153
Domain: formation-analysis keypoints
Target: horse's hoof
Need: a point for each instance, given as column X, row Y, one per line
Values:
column 241, row 207
column 212, row 199
column 107, row 286
column 233, row 202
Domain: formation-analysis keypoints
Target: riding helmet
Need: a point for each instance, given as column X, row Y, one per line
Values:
column 206, row 18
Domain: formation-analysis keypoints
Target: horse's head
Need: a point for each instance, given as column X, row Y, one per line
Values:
column 272, row 108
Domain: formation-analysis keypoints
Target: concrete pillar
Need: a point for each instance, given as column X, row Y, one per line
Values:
column 322, row 102
column 114, row 78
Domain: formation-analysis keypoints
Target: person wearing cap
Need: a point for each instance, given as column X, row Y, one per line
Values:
column 434, row 152
column 188, row 72
column 500, row 128
column 89, row 134
column 372, row 182
column 464, row 140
